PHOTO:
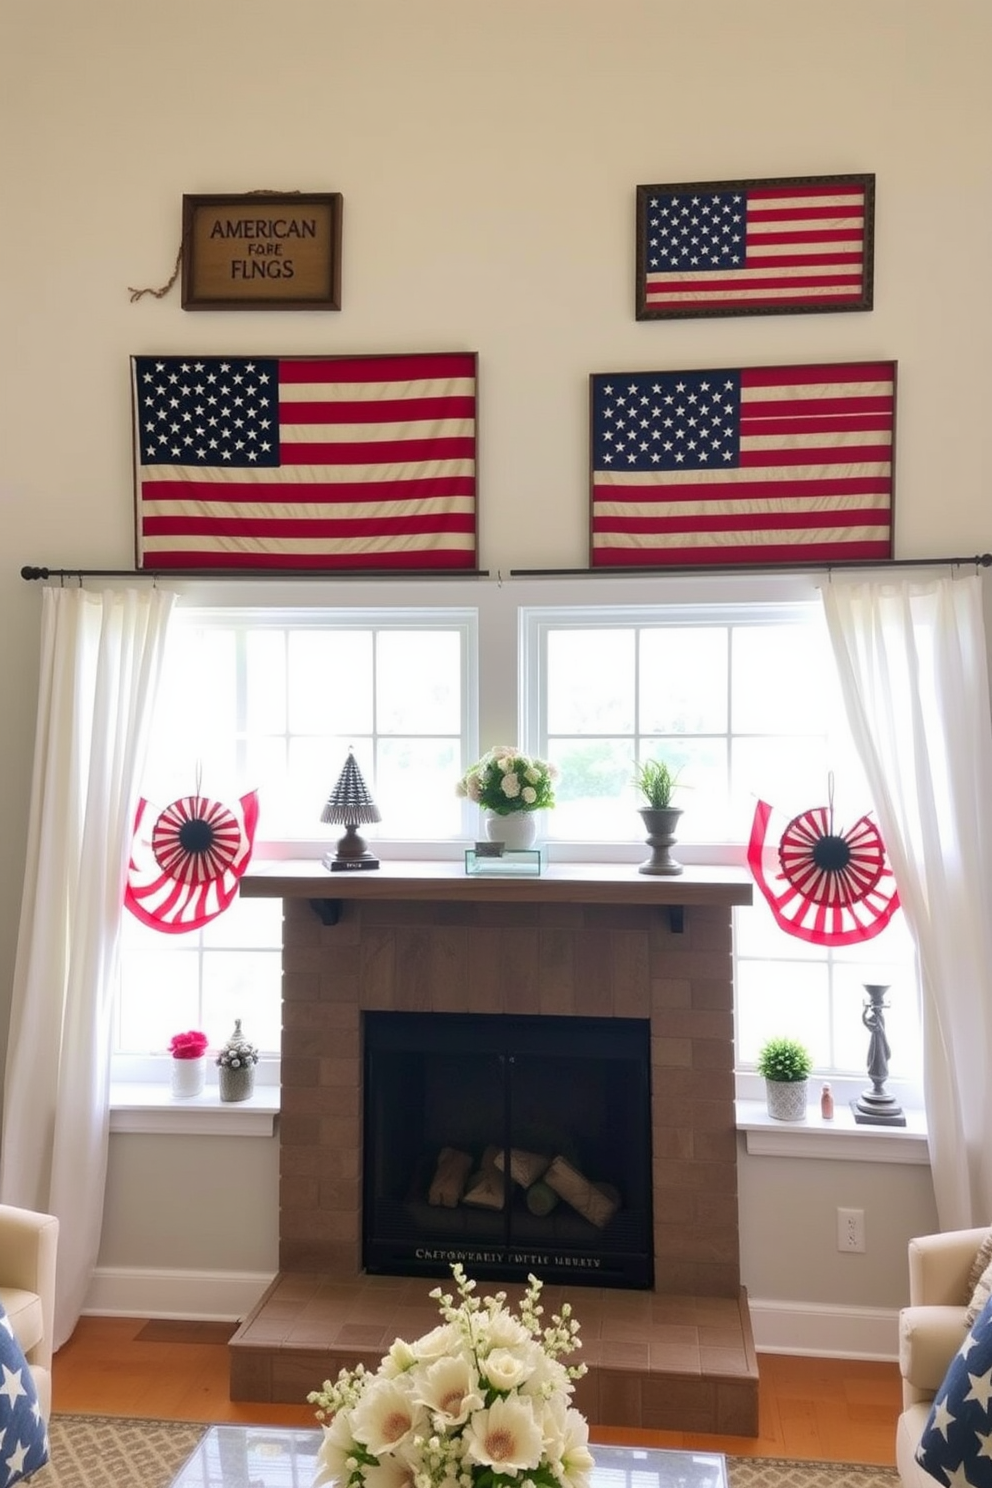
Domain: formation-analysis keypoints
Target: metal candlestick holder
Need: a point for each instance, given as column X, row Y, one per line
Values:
column 875, row 1107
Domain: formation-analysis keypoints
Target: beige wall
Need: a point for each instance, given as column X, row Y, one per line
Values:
column 488, row 155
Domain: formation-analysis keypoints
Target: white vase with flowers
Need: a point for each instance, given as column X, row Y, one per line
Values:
column 481, row 1401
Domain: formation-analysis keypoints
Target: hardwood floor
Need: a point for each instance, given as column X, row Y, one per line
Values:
column 829, row 1410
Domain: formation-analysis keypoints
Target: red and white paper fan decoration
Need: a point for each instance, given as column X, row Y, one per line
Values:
column 186, row 860
column 823, row 885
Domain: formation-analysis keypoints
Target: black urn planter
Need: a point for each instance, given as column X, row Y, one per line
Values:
column 661, row 823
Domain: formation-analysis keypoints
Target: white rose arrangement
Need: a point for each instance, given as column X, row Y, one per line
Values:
column 482, row 1401
column 506, row 780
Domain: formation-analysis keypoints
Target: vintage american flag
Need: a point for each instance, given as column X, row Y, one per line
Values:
column 733, row 248
column 358, row 463
column 762, row 466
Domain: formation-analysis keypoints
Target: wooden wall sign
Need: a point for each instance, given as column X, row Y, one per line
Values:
column 262, row 251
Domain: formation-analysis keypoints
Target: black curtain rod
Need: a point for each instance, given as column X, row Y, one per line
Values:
column 31, row 572
column 979, row 560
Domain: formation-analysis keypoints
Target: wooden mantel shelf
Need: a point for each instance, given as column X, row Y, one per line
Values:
column 445, row 881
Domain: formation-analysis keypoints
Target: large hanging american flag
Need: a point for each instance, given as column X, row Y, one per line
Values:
column 359, row 463
column 763, row 465
column 755, row 247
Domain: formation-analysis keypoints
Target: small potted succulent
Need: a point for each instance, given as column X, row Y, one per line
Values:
column 655, row 780
column 236, row 1066
column 785, row 1064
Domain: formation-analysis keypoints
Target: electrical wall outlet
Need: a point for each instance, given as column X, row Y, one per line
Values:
column 851, row 1230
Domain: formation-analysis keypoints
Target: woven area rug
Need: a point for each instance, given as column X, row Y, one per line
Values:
column 784, row 1472
column 115, row 1452
column 120, row 1452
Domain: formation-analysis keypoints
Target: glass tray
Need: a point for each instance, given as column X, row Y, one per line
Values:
column 527, row 862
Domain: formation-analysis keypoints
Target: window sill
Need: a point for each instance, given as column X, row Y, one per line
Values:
column 841, row 1139
column 151, row 1110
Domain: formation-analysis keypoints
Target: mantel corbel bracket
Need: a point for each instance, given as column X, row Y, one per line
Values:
column 328, row 911
column 676, row 918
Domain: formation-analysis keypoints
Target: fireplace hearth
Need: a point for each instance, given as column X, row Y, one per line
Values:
column 582, row 941
column 511, row 1144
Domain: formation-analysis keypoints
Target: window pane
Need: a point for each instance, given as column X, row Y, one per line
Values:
column 683, row 680
column 330, row 681
column 265, row 681
column 416, row 788
column 783, row 679
column 590, row 682
column 418, row 682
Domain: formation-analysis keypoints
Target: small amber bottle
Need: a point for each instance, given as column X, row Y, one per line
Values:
column 827, row 1103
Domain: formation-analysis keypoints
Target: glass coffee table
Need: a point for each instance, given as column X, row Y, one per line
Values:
column 284, row 1457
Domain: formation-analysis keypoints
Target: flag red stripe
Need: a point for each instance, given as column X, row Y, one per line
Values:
column 811, row 235
column 767, row 281
column 750, row 299
column 811, row 423
column 308, row 527
column 799, row 260
column 719, row 556
column 376, row 369
column 756, row 409
column 794, row 189
column 330, row 493
column 839, row 372
column 376, row 452
column 376, row 411
column 841, row 455
column 463, row 559
column 854, row 210
column 751, row 521
column 735, row 490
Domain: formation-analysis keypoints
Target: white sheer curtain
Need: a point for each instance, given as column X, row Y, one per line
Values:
column 911, row 655
column 100, row 660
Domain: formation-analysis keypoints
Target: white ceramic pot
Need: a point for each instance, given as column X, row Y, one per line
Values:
column 188, row 1077
column 786, row 1099
column 517, row 830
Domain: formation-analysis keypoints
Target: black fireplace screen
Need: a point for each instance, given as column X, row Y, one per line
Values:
column 512, row 1144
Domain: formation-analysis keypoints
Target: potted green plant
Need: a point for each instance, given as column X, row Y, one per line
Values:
column 655, row 780
column 785, row 1064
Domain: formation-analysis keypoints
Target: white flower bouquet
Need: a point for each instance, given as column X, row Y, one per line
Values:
column 506, row 780
column 482, row 1401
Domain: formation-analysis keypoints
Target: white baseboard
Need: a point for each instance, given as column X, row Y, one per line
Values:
column 203, row 1296
column 823, row 1330
column 813, row 1328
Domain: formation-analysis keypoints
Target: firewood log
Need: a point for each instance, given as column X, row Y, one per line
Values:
column 448, row 1183
column 487, row 1187
column 591, row 1202
column 525, row 1167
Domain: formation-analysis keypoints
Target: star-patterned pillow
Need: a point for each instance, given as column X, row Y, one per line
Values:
column 956, row 1445
column 23, row 1431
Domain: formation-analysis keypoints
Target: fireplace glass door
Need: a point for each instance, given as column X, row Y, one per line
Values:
column 512, row 1144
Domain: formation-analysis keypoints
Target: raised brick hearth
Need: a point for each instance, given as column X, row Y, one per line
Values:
column 422, row 938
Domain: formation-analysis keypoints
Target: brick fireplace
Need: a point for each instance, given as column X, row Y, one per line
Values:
column 578, row 941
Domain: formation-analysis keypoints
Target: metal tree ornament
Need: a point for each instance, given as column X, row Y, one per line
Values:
column 350, row 803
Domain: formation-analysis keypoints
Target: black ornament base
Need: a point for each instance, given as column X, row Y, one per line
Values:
column 348, row 865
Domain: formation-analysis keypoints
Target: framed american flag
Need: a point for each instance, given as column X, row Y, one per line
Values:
column 753, row 465
column 364, row 463
column 782, row 246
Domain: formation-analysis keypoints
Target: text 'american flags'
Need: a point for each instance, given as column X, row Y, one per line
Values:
column 762, row 466
column 732, row 248
column 306, row 462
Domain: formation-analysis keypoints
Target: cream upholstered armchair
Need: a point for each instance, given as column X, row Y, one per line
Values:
column 28, row 1248
column 931, row 1330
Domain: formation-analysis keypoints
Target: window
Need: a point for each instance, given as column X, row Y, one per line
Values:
column 743, row 703
column 273, row 702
